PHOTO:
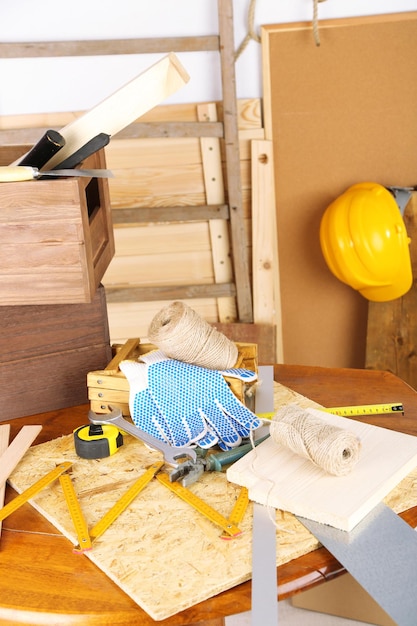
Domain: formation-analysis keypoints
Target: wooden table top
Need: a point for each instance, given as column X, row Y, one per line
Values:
column 42, row 581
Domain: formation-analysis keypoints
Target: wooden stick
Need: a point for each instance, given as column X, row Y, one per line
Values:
column 219, row 235
column 4, row 442
column 124, row 106
column 16, row 450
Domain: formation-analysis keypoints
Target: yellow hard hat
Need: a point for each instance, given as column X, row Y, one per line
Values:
column 365, row 244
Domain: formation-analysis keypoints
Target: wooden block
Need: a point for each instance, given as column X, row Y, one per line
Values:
column 47, row 351
column 57, row 239
column 294, row 484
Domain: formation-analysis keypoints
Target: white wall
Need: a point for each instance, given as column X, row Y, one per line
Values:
column 65, row 84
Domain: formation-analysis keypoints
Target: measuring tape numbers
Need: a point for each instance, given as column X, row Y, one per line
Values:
column 350, row 411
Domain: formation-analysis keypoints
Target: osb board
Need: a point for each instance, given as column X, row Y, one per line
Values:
column 391, row 340
column 161, row 552
column 335, row 120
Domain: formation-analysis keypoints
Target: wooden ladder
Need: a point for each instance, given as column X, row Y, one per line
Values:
column 223, row 208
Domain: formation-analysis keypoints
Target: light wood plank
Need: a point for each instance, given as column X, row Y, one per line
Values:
column 17, row 449
column 124, row 106
column 265, row 265
column 214, row 186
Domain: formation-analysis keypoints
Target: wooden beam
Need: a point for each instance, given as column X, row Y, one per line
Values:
column 181, row 292
column 11, row 50
column 214, row 190
column 265, row 264
column 145, row 215
column 234, row 187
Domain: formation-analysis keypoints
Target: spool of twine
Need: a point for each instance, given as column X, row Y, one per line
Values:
column 334, row 449
column 182, row 334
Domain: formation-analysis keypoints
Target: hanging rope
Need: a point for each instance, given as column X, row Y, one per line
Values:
column 251, row 34
column 316, row 33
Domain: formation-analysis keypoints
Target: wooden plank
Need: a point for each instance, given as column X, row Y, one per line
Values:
column 137, row 215
column 233, row 181
column 339, row 501
column 391, row 340
column 249, row 116
column 17, row 449
column 124, row 106
column 132, row 319
column 219, row 234
column 311, row 107
column 4, row 443
column 30, row 49
column 169, row 292
column 265, row 266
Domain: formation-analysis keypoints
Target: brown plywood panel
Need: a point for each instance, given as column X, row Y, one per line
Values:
column 338, row 114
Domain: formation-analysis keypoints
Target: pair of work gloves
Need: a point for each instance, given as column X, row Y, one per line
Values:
column 184, row 404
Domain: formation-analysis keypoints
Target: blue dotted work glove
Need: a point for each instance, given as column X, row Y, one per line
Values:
column 183, row 403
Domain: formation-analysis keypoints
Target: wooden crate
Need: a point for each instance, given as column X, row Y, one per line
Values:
column 57, row 237
column 110, row 388
column 46, row 352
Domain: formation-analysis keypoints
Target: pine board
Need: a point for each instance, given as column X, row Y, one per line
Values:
column 184, row 559
column 276, row 476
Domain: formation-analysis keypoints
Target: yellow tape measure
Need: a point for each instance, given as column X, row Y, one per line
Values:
column 31, row 491
column 201, row 506
column 361, row 409
column 366, row 409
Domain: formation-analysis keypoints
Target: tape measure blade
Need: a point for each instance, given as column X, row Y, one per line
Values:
column 31, row 491
column 80, row 525
column 118, row 508
column 199, row 504
column 366, row 409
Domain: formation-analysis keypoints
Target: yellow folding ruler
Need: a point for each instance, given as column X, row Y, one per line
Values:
column 86, row 537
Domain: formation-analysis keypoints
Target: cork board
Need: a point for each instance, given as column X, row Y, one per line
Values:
column 160, row 551
column 338, row 114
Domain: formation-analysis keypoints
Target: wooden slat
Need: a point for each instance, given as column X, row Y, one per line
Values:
column 170, row 292
column 214, row 186
column 16, row 450
column 137, row 215
column 239, row 244
column 265, row 268
column 11, row 50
